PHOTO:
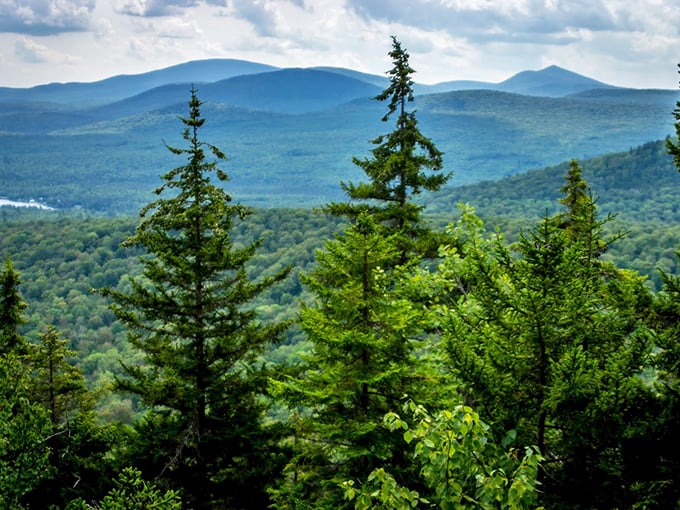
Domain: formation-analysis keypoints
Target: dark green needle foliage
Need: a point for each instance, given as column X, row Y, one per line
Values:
column 12, row 307
column 549, row 340
column 24, row 424
column 674, row 146
column 667, row 320
column 362, row 364
column 190, row 314
column 79, row 445
column 403, row 163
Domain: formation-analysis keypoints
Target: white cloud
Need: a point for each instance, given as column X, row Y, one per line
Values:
column 153, row 8
column 178, row 28
column 45, row 17
column 624, row 42
column 29, row 51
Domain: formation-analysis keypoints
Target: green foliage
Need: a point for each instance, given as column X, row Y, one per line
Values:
column 548, row 340
column 104, row 166
column 79, row 446
column 401, row 165
column 57, row 384
column 541, row 330
column 132, row 492
column 191, row 318
column 674, row 147
column 460, row 466
column 364, row 337
column 637, row 185
column 667, row 363
column 12, row 308
column 24, row 429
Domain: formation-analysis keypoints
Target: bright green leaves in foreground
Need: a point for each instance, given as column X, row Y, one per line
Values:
column 131, row 492
column 460, row 466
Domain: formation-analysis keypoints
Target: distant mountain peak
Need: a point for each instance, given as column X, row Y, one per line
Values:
column 552, row 81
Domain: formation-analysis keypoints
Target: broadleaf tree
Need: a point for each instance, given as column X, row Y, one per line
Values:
column 191, row 316
column 461, row 467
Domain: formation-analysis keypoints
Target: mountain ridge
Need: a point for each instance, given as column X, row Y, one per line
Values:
column 551, row 81
column 291, row 134
column 108, row 89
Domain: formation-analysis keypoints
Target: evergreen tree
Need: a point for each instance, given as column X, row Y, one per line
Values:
column 659, row 459
column 24, row 428
column 549, row 341
column 361, row 366
column 12, row 307
column 403, row 164
column 662, row 460
column 57, row 385
column 575, row 199
column 79, row 446
column 191, row 316
column 579, row 218
column 674, row 147
column 24, row 425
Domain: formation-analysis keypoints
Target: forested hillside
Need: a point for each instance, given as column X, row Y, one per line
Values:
column 408, row 345
column 292, row 134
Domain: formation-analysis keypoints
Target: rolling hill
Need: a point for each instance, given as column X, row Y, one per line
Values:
column 122, row 86
column 552, row 81
column 291, row 133
column 635, row 185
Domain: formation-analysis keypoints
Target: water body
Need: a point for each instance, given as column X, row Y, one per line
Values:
column 30, row 203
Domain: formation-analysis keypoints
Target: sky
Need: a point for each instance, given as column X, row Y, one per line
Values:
column 631, row 43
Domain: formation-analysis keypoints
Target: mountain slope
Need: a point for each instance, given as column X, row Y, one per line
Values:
column 552, row 81
column 122, row 86
column 284, row 160
column 638, row 184
column 291, row 135
column 289, row 90
column 292, row 91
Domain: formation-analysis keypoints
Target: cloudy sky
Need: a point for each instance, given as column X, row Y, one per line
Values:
column 633, row 43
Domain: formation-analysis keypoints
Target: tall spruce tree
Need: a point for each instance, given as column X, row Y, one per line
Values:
column 550, row 341
column 362, row 364
column 12, row 307
column 191, row 316
column 674, row 146
column 403, row 163
column 24, row 425
column 363, row 331
column 665, row 458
